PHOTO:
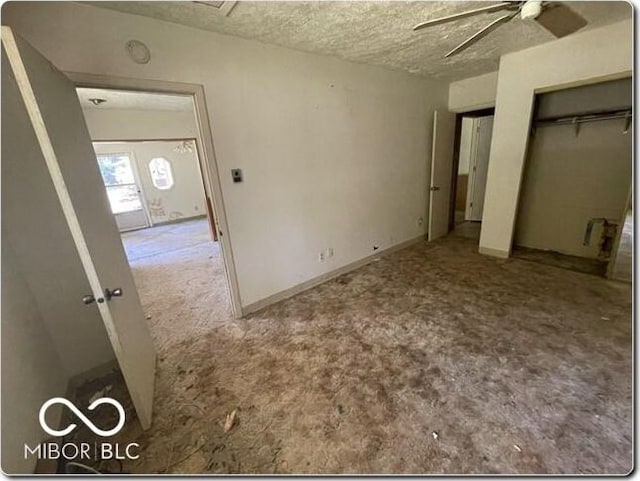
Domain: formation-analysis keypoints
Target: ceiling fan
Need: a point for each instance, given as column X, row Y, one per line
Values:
column 556, row 17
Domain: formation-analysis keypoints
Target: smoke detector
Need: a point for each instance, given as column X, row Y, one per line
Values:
column 138, row 51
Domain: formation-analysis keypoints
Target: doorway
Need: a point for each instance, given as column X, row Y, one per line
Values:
column 205, row 150
column 147, row 146
column 76, row 287
column 470, row 166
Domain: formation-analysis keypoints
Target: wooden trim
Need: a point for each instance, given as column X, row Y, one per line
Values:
column 455, row 166
column 83, row 79
column 292, row 291
column 212, row 220
column 215, row 191
column 180, row 220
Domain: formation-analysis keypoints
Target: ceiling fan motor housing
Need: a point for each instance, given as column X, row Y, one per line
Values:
column 531, row 10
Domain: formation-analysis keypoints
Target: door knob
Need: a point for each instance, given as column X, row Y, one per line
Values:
column 109, row 293
column 435, row 188
column 89, row 299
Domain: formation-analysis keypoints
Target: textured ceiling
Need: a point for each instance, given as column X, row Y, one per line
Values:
column 122, row 99
column 375, row 33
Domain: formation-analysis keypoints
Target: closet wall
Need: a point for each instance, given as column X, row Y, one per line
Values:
column 576, row 172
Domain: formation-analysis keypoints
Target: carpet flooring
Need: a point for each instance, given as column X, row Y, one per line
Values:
column 433, row 359
column 179, row 274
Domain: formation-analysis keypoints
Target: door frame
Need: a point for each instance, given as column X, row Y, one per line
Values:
column 206, row 155
column 456, row 157
column 616, row 243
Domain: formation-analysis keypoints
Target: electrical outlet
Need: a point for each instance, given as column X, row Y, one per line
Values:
column 330, row 252
column 321, row 256
column 420, row 221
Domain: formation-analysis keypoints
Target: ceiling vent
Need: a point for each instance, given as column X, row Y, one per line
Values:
column 221, row 7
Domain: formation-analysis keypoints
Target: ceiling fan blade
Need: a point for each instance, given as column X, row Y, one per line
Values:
column 482, row 33
column 560, row 20
column 469, row 13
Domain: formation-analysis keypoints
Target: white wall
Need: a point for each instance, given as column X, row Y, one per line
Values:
column 185, row 199
column 31, row 368
column 334, row 154
column 129, row 124
column 581, row 58
column 473, row 93
column 570, row 179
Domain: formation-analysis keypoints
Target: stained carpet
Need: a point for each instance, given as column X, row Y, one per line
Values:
column 433, row 359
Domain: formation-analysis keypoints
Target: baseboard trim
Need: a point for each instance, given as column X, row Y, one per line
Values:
column 179, row 220
column 166, row 222
column 327, row 276
column 488, row 251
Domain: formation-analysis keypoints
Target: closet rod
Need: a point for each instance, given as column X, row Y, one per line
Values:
column 580, row 119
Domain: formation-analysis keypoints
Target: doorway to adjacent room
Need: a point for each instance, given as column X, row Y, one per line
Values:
column 147, row 146
column 469, row 179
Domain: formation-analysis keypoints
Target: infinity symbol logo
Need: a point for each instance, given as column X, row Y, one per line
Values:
column 83, row 418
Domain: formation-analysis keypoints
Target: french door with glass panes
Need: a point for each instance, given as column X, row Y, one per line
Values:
column 123, row 190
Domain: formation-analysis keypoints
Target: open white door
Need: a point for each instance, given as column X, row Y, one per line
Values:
column 478, row 166
column 56, row 212
column 444, row 124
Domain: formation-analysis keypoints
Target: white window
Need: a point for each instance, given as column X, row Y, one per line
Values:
column 161, row 174
column 118, row 178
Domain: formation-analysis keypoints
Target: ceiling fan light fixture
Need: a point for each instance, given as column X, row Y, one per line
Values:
column 531, row 10
column 555, row 17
